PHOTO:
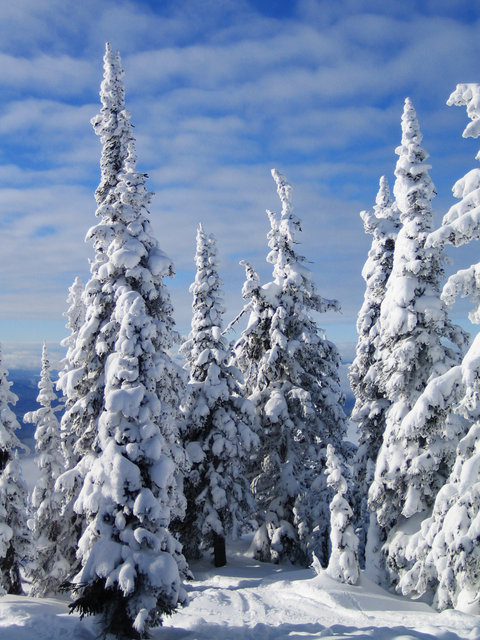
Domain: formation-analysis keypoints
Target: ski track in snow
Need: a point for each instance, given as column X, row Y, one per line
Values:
column 249, row 600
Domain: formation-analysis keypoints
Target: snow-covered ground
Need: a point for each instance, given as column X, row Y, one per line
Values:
column 248, row 600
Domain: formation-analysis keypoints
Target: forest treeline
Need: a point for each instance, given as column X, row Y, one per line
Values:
column 153, row 464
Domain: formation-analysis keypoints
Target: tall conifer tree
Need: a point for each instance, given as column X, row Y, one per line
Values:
column 75, row 315
column 71, row 524
column 49, row 567
column 220, row 423
column 445, row 553
column 370, row 401
column 416, row 344
column 125, row 391
column 291, row 375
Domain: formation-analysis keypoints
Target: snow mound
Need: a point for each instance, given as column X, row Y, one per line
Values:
column 23, row 618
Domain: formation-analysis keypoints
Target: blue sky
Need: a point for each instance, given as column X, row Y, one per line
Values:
column 220, row 92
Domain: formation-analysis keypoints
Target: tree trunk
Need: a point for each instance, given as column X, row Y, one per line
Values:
column 219, row 552
column 10, row 569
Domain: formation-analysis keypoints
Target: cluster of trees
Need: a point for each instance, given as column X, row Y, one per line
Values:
column 151, row 464
column 416, row 384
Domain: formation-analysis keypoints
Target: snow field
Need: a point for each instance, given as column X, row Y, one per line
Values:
column 250, row 600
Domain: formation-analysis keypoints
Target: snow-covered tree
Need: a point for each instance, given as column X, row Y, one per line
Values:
column 70, row 525
column 75, row 315
column 445, row 554
column 343, row 563
column 220, row 423
column 123, row 394
column 48, row 568
column 14, row 534
column 417, row 344
column 291, row 375
column 444, row 563
column 370, row 401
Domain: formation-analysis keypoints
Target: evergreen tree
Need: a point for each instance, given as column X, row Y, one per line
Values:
column 445, row 555
column 343, row 563
column 291, row 375
column 370, row 401
column 75, row 319
column 220, row 424
column 416, row 346
column 70, row 524
column 14, row 535
column 124, row 392
column 49, row 567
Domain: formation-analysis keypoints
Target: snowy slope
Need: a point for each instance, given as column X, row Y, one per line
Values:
column 247, row 600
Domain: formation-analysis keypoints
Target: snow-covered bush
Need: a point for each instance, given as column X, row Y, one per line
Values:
column 343, row 562
column 48, row 568
column 14, row 534
column 291, row 376
column 220, row 423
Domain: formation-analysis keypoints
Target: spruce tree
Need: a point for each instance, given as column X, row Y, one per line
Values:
column 14, row 534
column 124, row 392
column 343, row 562
column 220, row 423
column 415, row 346
column 370, row 401
column 49, row 567
column 291, row 375
column 444, row 554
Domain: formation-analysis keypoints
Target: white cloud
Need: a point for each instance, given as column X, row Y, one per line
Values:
column 28, row 355
column 219, row 94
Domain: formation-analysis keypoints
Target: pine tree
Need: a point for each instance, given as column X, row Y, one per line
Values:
column 445, row 555
column 124, row 392
column 416, row 346
column 49, row 567
column 220, row 424
column 14, row 534
column 370, row 401
column 343, row 563
column 291, row 375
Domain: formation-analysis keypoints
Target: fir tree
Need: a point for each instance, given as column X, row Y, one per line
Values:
column 124, row 392
column 220, row 424
column 49, row 567
column 444, row 554
column 370, row 401
column 343, row 563
column 291, row 375
column 416, row 346
column 14, row 535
